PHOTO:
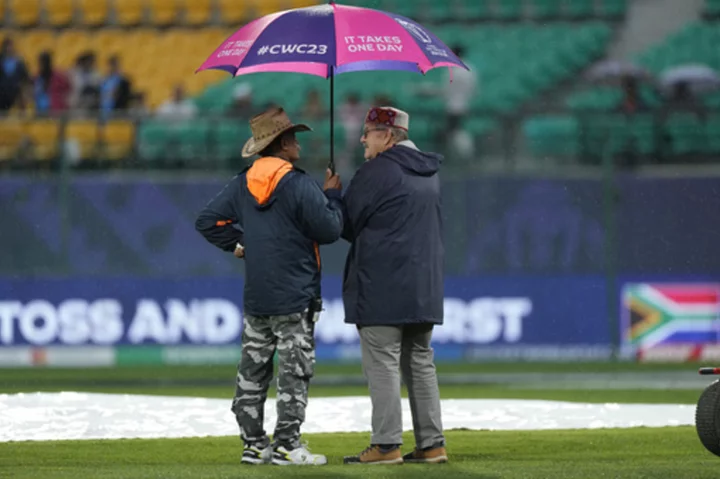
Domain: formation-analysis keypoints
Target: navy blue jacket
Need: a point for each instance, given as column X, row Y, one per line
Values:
column 394, row 269
column 280, row 215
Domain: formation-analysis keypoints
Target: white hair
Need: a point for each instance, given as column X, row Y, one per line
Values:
column 398, row 134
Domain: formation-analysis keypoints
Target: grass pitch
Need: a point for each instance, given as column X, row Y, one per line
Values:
column 673, row 452
column 609, row 453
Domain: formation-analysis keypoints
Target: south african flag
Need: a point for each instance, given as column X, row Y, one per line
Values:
column 661, row 314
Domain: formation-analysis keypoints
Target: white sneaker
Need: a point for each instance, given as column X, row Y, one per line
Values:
column 298, row 456
column 256, row 455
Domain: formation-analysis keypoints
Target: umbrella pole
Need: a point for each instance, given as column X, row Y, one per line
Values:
column 332, row 119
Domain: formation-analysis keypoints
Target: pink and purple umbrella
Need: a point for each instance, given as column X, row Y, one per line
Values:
column 327, row 40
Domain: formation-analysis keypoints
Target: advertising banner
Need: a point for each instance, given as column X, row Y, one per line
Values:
column 518, row 317
column 671, row 320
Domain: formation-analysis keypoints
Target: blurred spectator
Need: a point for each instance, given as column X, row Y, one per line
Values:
column 682, row 99
column 14, row 77
column 115, row 89
column 459, row 92
column 51, row 87
column 352, row 113
column 458, row 89
column 382, row 99
column 242, row 105
column 632, row 101
column 86, row 81
column 178, row 107
column 313, row 108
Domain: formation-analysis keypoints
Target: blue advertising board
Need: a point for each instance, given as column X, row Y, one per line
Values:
column 488, row 316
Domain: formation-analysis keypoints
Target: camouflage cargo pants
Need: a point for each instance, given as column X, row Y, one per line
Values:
column 292, row 337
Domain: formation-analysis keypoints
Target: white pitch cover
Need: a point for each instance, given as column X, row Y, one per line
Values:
column 75, row 415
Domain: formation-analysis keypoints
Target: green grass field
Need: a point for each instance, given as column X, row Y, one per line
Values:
column 608, row 453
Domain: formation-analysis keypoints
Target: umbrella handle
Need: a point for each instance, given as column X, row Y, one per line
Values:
column 331, row 165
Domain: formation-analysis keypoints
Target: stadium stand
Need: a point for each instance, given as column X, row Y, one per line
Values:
column 60, row 13
column 554, row 53
column 24, row 13
column 93, row 13
column 160, row 43
column 501, row 10
column 44, row 137
column 196, row 12
column 130, row 12
column 678, row 134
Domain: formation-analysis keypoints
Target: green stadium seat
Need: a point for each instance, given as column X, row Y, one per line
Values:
column 439, row 11
column 228, row 135
column 480, row 126
column 712, row 100
column 473, row 9
column 509, row 10
column 580, row 9
column 641, row 132
column 617, row 134
column 547, row 9
column 153, row 140
column 712, row 8
column 613, row 9
column 620, row 134
column 686, row 134
column 192, row 139
column 407, row 8
column 712, row 134
column 552, row 136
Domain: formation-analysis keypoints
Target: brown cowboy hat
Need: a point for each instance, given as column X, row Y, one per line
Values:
column 266, row 127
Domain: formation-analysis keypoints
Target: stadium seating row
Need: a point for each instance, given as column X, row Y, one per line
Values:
column 153, row 140
column 43, row 137
column 500, row 10
column 696, row 43
column 58, row 13
column 565, row 136
column 556, row 136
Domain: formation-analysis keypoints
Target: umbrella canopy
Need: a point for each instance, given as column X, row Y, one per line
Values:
column 325, row 40
column 699, row 78
column 613, row 72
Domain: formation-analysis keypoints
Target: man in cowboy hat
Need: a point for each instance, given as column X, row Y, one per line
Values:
column 274, row 216
column 393, row 286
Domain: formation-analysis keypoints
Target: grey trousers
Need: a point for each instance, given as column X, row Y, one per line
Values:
column 386, row 352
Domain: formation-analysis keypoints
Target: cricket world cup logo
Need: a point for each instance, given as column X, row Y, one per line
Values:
column 415, row 30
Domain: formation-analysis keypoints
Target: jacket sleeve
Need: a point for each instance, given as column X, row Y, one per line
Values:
column 320, row 212
column 220, row 222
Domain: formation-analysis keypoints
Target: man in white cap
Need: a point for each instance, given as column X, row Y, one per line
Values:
column 274, row 216
column 393, row 285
